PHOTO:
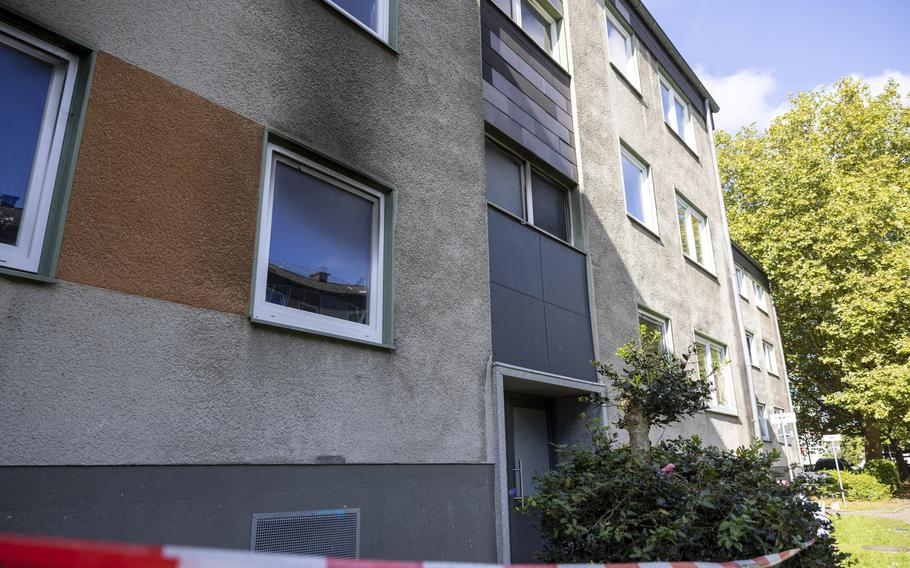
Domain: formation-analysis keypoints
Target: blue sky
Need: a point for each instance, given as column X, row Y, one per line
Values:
column 751, row 54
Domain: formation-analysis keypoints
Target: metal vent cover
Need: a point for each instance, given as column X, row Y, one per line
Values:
column 333, row 532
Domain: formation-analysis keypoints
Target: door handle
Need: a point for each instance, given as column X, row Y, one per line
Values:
column 519, row 490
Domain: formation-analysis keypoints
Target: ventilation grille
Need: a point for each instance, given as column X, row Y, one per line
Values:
column 334, row 533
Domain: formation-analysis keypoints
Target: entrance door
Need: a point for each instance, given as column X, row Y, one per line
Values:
column 529, row 451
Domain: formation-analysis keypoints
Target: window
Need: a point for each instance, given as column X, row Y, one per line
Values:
column 760, row 299
column 741, row 280
column 621, row 49
column 770, row 358
column 788, row 428
column 652, row 323
column 515, row 186
column 752, row 348
column 38, row 83
column 763, row 422
column 320, row 256
column 636, row 181
column 714, row 367
column 371, row 14
column 541, row 26
column 694, row 234
column 677, row 113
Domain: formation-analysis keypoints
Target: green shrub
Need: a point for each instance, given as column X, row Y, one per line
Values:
column 885, row 471
column 857, row 486
column 685, row 502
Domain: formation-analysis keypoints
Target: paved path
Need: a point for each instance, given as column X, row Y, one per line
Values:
column 902, row 513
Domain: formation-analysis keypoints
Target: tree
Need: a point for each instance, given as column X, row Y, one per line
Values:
column 822, row 200
column 654, row 388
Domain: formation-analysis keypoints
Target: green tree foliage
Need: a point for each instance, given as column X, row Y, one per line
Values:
column 885, row 472
column 857, row 486
column 822, row 200
column 685, row 502
column 653, row 388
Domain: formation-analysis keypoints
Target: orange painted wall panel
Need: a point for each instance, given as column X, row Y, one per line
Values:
column 165, row 195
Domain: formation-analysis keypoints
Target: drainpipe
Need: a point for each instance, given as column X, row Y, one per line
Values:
column 786, row 381
column 753, row 403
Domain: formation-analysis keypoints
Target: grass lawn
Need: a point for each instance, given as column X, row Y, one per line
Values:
column 854, row 532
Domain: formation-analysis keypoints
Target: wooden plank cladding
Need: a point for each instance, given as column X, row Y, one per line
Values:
column 526, row 93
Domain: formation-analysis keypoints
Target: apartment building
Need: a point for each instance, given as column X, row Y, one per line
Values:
column 328, row 276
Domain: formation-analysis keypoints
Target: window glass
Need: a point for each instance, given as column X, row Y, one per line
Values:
column 750, row 340
column 320, row 247
column 619, row 44
column 639, row 201
column 696, row 238
column 713, row 366
column 504, row 187
column 681, row 120
column 763, row 422
column 22, row 103
column 759, row 292
column 770, row 358
column 666, row 97
column 534, row 23
column 681, row 215
column 741, row 281
column 550, row 207
column 364, row 11
column 649, row 326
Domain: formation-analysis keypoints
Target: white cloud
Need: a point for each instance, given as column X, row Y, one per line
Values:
column 749, row 96
column 744, row 97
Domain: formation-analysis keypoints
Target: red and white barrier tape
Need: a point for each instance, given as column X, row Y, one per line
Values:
column 30, row 552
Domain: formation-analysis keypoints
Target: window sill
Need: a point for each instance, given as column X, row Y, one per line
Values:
column 743, row 298
column 775, row 375
column 638, row 223
column 723, row 411
column 702, row 269
column 763, row 310
column 756, row 367
column 682, row 141
column 271, row 323
column 535, row 227
column 369, row 31
column 13, row 273
column 636, row 90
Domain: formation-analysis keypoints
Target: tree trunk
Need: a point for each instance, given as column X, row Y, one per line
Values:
column 638, row 427
column 872, row 436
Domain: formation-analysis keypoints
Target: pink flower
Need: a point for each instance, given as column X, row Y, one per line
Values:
column 668, row 469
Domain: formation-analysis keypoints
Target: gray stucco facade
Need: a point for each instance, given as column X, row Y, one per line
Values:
column 149, row 408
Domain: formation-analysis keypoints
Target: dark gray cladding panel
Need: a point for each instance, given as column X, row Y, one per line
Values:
column 519, row 328
column 743, row 259
column 569, row 346
column 565, row 281
column 539, row 297
column 409, row 512
column 527, row 94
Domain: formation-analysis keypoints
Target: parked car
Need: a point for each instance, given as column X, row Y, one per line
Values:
column 824, row 464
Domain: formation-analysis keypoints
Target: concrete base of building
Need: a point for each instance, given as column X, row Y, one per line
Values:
column 408, row 512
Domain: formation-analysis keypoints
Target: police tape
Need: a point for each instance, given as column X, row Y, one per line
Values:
column 32, row 552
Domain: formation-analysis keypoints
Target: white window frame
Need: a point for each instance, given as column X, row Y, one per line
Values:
column 26, row 254
column 763, row 424
column 770, row 357
column 645, row 177
column 687, row 132
column 759, row 293
column 693, row 215
column 628, row 68
column 662, row 321
column 725, row 373
column 267, row 312
column 741, row 280
column 556, row 43
column 382, row 18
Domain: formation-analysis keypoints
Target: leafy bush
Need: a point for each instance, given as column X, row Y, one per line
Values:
column 685, row 502
column 885, row 471
column 857, row 486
